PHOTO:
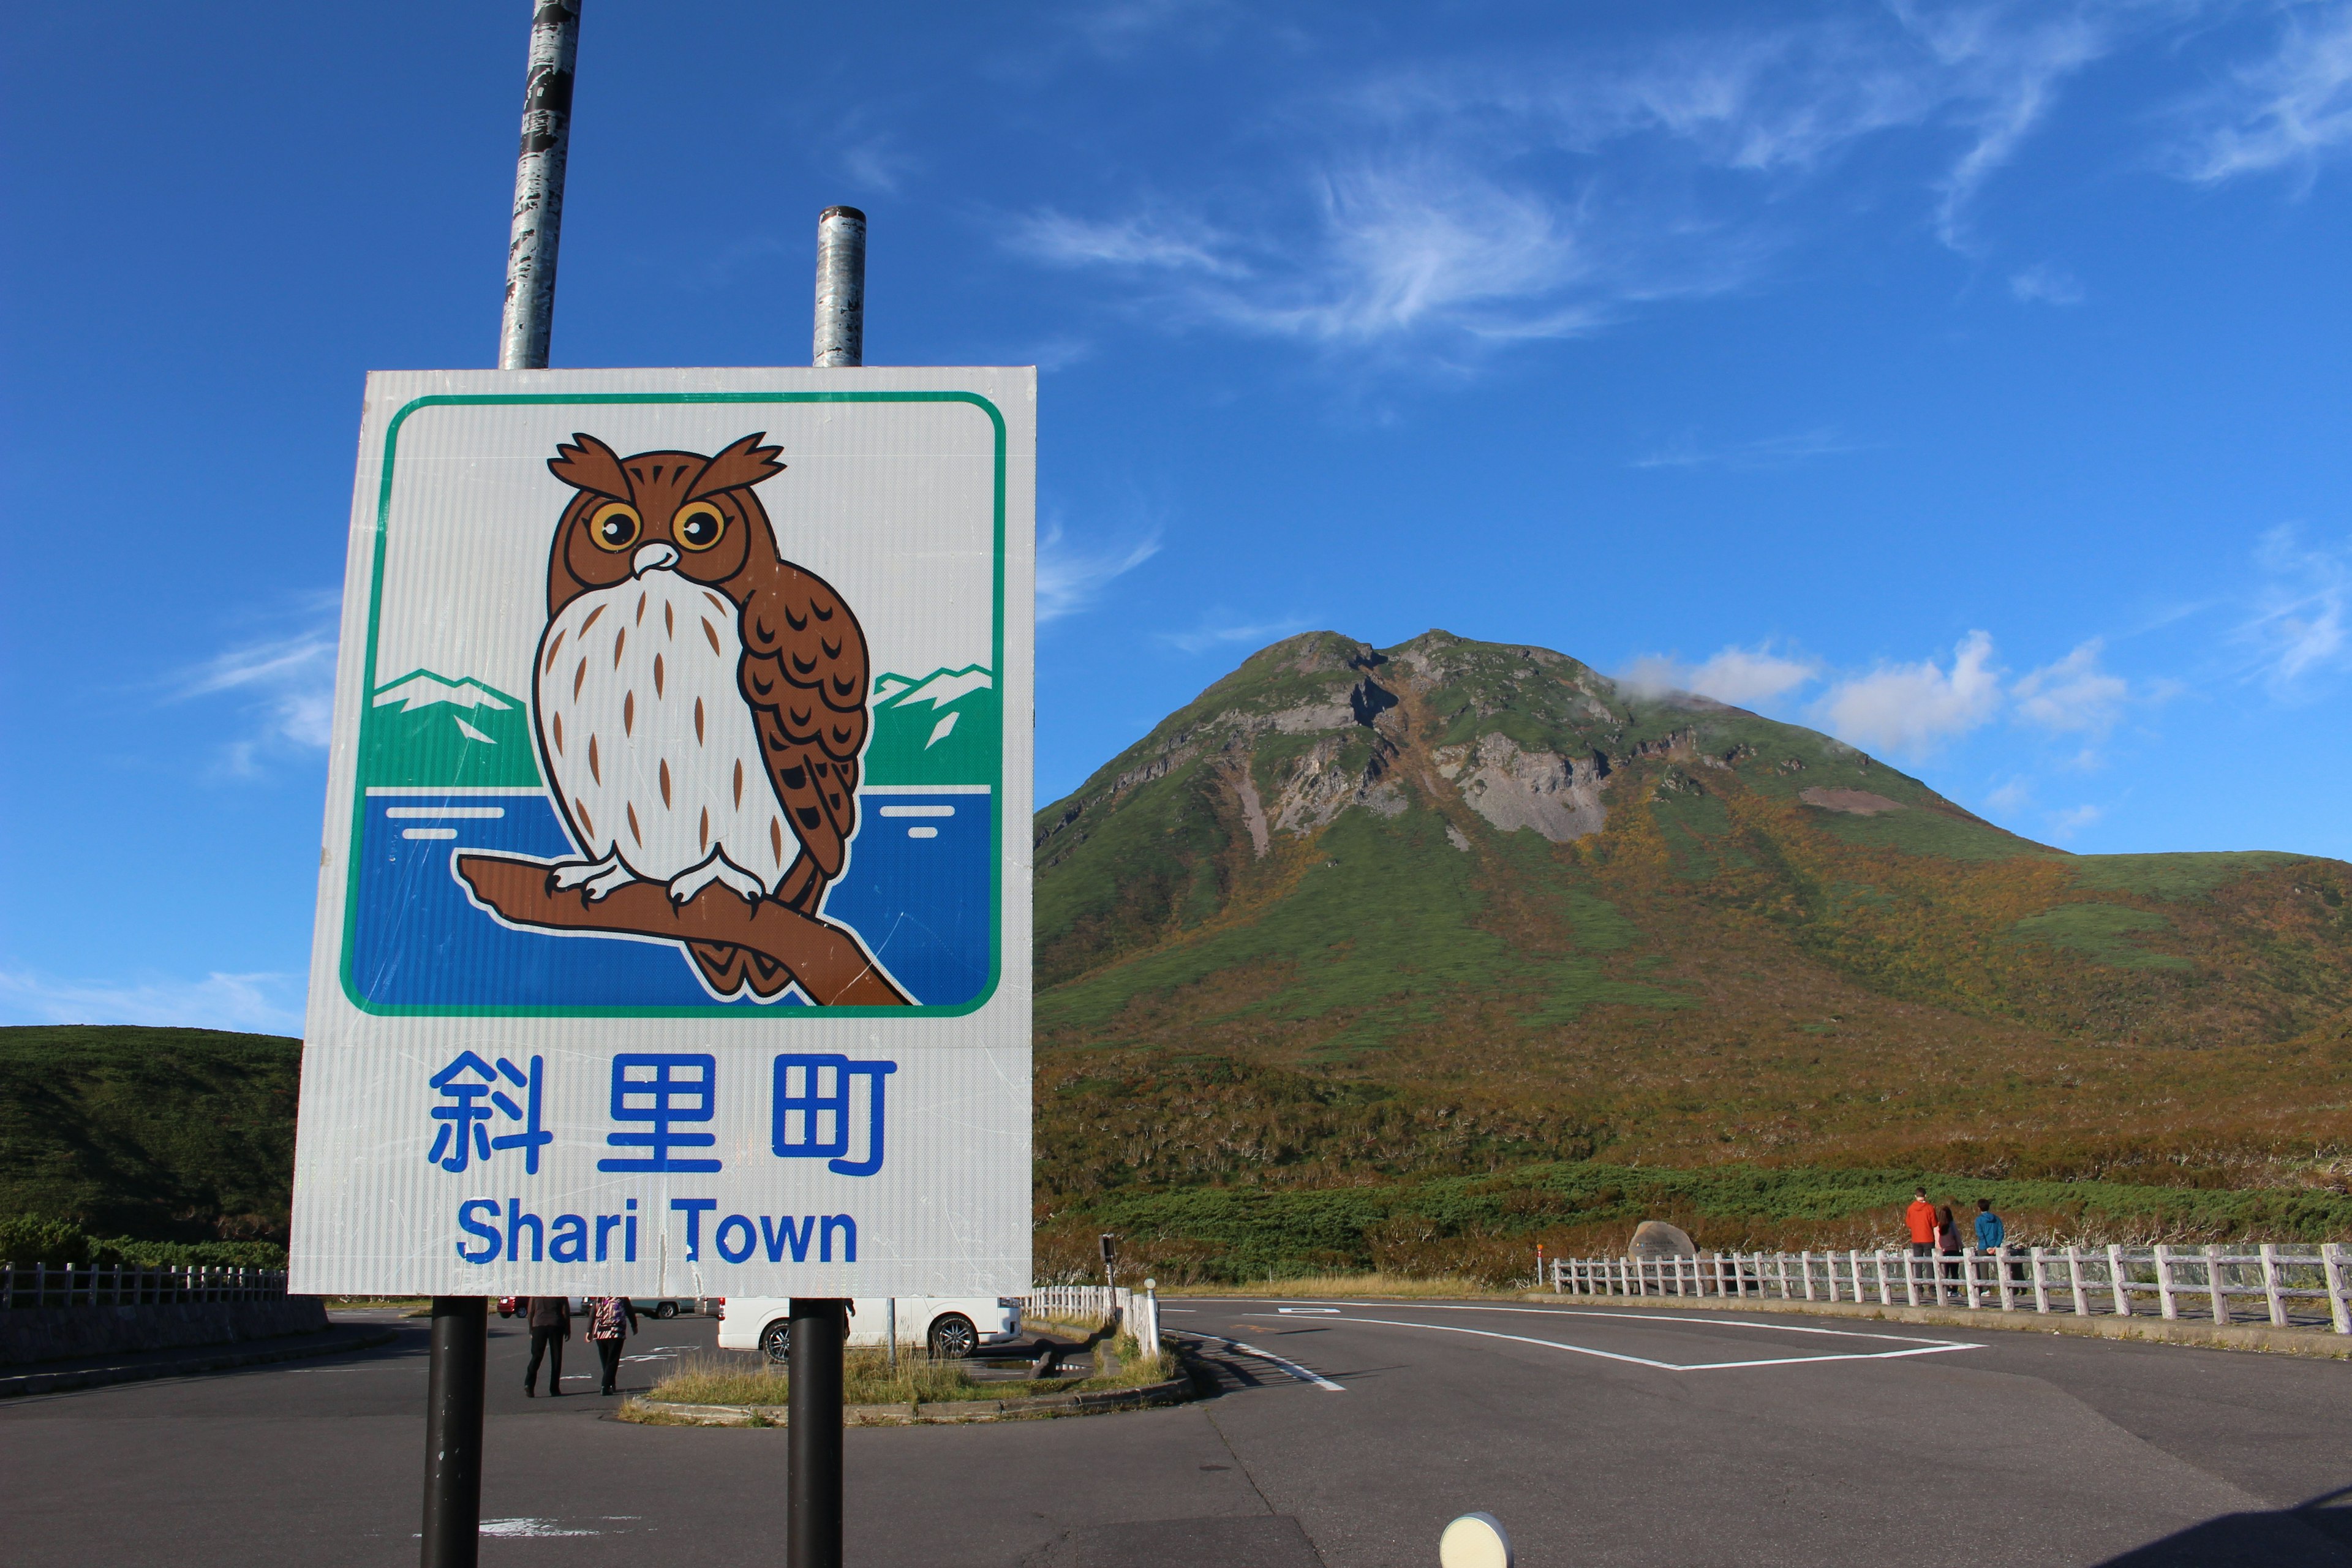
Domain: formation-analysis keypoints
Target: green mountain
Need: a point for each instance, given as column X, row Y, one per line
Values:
column 936, row 729
column 1448, row 907
column 428, row 730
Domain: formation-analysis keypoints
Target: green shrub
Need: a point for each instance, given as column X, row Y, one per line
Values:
column 31, row 1239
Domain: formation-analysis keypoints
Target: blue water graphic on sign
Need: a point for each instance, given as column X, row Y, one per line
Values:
column 916, row 891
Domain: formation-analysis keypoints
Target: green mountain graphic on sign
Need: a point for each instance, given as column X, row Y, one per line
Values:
column 426, row 729
column 944, row 727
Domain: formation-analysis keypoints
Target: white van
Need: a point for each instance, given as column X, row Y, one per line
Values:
column 948, row 1325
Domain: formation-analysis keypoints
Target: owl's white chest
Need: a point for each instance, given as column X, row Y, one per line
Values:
column 647, row 736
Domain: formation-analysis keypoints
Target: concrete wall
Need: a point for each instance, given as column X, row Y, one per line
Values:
column 58, row 1333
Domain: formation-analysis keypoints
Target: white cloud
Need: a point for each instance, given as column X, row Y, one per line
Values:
column 2287, row 113
column 2301, row 625
column 285, row 684
column 266, row 1003
column 1913, row 707
column 1212, row 634
column 2011, row 796
column 1163, row 240
column 2065, row 825
column 1738, row 675
column 2046, row 283
column 1487, row 199
column 1069, row 577
column 1766, row 452
column 2072, row 694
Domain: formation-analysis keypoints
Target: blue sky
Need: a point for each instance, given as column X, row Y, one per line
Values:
column 1967, row 380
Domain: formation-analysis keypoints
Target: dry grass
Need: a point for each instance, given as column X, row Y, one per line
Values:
column 869, row 1379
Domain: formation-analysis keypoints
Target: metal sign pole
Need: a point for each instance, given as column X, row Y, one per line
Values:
column 539, row 185
column 820, row 1325
column 452, row 1536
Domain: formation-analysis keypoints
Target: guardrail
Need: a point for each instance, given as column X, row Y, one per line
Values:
column 25, row 1286
column 1137, row 1311
column 2294, row 1285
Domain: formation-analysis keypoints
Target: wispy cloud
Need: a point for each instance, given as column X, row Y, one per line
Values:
column 2073, row 694
column 1069, row 575
column 1766, row 452
column 2065, row 825
column 1485, row 200
column 2046, row 283
column 1214, row 633
column 1739, row 675
column 1913, row 708
column 267, row 1002
column 2302, row 622
column 285, row 684
column 2286, row 112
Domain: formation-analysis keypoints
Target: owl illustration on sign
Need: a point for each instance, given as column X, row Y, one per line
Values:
column 700, row 702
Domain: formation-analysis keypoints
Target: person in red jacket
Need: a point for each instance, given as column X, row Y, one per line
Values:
column 1920, row 1220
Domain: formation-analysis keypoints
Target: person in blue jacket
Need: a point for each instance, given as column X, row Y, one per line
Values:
column 1990, row 1232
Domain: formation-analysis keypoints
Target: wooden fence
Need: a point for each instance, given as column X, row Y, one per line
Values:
column 2285, row 1286
column 40, row 1285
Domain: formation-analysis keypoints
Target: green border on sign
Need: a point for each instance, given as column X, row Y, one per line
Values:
column 770, row 1013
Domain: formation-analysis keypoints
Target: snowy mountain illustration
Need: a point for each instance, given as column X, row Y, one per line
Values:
column 937, row 729
column 431, row 731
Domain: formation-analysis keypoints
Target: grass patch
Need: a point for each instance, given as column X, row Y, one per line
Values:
column 2185, row 876
column 2102, row 933
column 1919, row 831
column 1375, row 1283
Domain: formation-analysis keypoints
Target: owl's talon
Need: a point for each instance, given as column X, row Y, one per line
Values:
column 717, row 869
column 599, row 877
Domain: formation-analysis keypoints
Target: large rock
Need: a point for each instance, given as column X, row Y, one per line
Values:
column 1656, row 1239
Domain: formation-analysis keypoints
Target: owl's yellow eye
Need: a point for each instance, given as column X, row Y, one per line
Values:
column 698, row 525
column 615, row 525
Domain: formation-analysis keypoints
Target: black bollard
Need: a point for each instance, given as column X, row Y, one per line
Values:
column 820, row 1326
column 453, row 1433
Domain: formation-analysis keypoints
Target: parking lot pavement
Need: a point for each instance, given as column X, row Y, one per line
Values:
column 1340, row 1433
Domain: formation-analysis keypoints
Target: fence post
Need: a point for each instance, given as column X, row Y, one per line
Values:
column 2116, row 1282
column 2041, row 1283
column 2164, row 1299
column 2002, row 1281
column 2213, row 1285
column 2339, row 1310
column 1968, row 1277
column 2271, row 1285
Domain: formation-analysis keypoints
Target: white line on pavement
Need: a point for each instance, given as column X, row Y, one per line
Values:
column 1927, row 1348
column 1292, row 1367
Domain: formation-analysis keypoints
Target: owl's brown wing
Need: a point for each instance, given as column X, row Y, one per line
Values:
column 804, row 674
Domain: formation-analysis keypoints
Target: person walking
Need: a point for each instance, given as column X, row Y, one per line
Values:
column 1920, row 1220
column 549, row 1318
column 611, row 1320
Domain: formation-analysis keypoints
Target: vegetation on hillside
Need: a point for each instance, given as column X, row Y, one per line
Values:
column 166, row 1135
column 1289, row 942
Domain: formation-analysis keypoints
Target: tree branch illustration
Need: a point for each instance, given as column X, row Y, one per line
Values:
column 828, row 961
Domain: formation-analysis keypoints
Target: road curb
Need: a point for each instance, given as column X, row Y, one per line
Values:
column 940, row 1413
column 30, row 1383
column 2148, row 1330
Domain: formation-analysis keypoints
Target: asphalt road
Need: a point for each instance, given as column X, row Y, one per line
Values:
column 1342, row 1436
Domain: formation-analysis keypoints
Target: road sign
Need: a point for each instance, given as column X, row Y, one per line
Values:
column 674, row 930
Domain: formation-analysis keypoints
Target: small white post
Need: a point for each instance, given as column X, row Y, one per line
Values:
column 2075, row 1280
column 2002, row 1281
column 1885, row 1291
column 2214, row 1286
column 1805, row 1271
column 2271, row 1285
column 2164, row 1297
column 2116, row 1282
column 1911, row 1276
column 1969, row 1275
column 2041, row 1283
column 2339, row 1310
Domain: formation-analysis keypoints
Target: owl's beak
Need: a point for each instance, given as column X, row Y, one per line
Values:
column 652, row 557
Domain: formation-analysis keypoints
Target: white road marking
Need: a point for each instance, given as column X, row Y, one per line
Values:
column 1307, row 1311
column 1918, row 1346
column 1292, row 1367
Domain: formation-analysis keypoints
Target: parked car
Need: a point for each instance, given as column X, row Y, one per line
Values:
column 948, row 1326
column 506, row 1305
column 663, row 1306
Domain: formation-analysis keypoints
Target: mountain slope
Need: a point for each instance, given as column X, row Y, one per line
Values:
column 1534, row 915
